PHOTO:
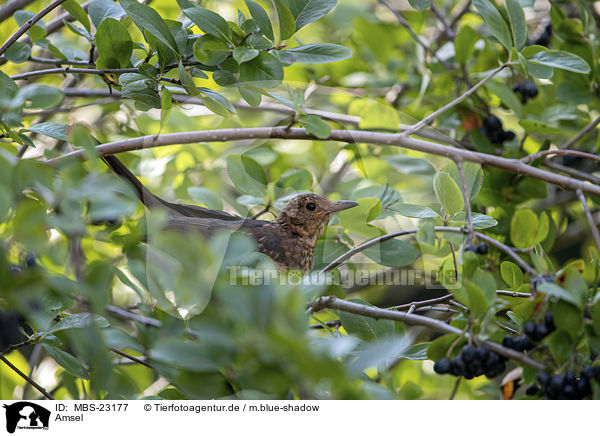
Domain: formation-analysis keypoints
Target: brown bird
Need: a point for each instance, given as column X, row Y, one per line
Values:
column 289, row 239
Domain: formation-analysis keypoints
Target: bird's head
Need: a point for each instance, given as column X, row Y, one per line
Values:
column 309, row 213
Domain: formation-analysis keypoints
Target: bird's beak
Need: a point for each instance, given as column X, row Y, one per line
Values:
column 338, row 206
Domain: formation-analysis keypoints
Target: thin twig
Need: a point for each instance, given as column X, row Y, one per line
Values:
column 455, row 388
column 440, row 16
column 465, row 189
column 263, row 211
column 29, row 23
column 412, row 33
column 543, row 153
column 332, row 302
column 514, row 294
column 590, row 219
column 454, row 102
column 125, row 314
column 465, row 9
column 346, row 136
column 58, row 61
column 130, row 357
column 581, row 133
column 422, row 303
column 40, row 389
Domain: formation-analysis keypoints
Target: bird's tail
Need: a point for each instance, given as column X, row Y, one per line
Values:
column 146, row 197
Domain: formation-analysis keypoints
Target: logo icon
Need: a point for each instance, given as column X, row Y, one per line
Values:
column 26, row 415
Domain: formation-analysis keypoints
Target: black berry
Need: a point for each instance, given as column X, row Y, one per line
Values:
column 442, row 366
column 482, row 248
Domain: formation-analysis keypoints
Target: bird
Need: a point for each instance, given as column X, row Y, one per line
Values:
column 289, row 239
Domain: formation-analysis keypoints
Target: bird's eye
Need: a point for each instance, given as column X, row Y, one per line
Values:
column 311, row 206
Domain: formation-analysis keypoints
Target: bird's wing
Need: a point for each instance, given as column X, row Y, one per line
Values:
column 152, row 201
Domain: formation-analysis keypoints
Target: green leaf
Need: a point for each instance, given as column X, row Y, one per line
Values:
column 38, row 96
column 493, row 18
column 262, row 19
column 448, row 193
column 562, row 60
column 264, row 71
column 568, row 318
column 506, row 95
column 18, row 52
column 205, row 197
column 53, row 130
column 67, row 361
column 209, row 22
column 409, row 165
column 524, row 228
column 287, row 22
column 251, row 97
column 114, row 44
column 318, row 53
column 511, row 274
column 473, row 176
column 298, row 179
column 210, row 50
column 478, row 220
column 464, row 44
column 577, row 286
column 166, row 103
column 98, row 10
column 77, row 12
column 315, row 125
column 243, row 54
column 215, row 102
column 413, row 210
column 76, row 321
column 440, row 346
column 307, row 11
column 186, row 80
column 247, row 174
column 420, row 5
column 533, row 126
column 365, row 327
column 147, row 19
column 555, row 290
column 393, row 252
column 182, row 354
column 518, row 26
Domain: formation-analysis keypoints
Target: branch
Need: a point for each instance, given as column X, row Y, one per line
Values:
column 130, row 357
column 590, row 219
column 97, row 72
column 412, row 33
column 40, row 389
column 29, row 23
column 269, row 107
column 332, row 302
column 508, row 250
column 11, row 6
column 125, row 314
column 454, row 102
column 581, row 133
column 543, row 153
column 346, row 136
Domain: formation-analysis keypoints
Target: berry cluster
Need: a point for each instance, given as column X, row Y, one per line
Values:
column 533, row 332
column 481, row 248
column 566, row 386
column 519, row 343
column 544, row 38
column 493, row 130
column 472, row 362
column 527, row 90
column 537, row 332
